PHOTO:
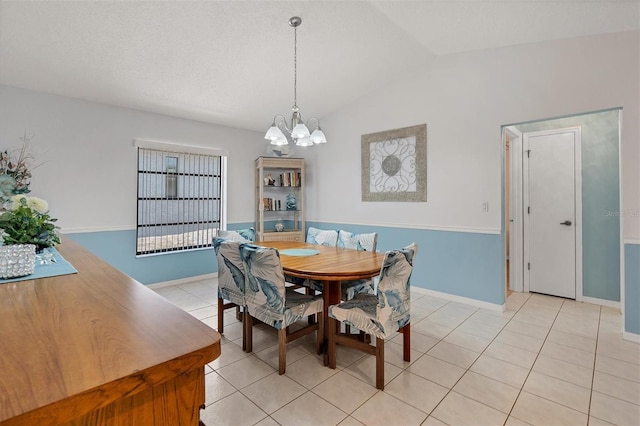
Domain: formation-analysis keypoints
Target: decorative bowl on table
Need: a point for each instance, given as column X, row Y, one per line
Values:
column 17, row 260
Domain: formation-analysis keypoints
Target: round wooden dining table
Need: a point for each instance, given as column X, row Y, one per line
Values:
column 331, row 265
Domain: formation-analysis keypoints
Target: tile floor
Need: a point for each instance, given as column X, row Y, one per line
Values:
column 545, row 361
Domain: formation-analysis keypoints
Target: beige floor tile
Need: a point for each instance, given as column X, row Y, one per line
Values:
column 559, row 391
column 454, row 354
column 271, row 355
column 484, row 328
column 502, row 371
column 384, row 409
column 567, row 353
column 539, row 411
column 350, row 421
column 616, row 367
column 536, row 319
column 205, row 312
column 246, row 371
column 564, row 370
column 522, row 341
column 457, row 409
column 512, row 421
column 419, row 342
column 611, row 315
column 579, row 326
column 308, row 409
column 428, row 302
column 613, row 346
column 235, row 409
column 468, row 341
column 594, row 421
column 394, row 353
column 230, row 353
column 267, row 421
column 432, row 421
column 587, row 344
column 436, row 370
column 416, row 391
column 517, row 356
column 614, row 410
column 365, row 370
column 527, row 329
column 216, row 388
column 431, row 329
column 309, row 371
column 488, row 391
column 345, row 391
column 273, row 392
column 627, row 390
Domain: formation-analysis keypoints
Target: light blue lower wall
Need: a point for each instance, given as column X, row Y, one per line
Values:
column 459, row 263
column 632, row 288
column 118, row 248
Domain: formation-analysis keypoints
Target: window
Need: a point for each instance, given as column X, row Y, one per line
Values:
column 180, row 197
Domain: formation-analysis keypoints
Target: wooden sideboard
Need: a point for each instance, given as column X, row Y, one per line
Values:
column 98, row 348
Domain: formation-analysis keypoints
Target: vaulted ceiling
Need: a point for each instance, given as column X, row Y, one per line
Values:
column 231, row 62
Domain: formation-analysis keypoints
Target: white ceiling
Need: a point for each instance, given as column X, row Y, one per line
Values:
column 231, row 62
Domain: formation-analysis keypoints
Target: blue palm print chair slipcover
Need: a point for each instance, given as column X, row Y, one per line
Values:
column 268, row 300
column 379, row 315
column 231, row 278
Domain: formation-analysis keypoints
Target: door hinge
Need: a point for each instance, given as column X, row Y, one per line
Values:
column 528, row 153
column 528, row 266
column 528, row 209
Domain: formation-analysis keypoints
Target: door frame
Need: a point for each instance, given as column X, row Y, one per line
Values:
column 516, row 273
column 519, row 183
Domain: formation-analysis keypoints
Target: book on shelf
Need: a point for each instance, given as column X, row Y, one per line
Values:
column 271, row 204
column 290, row 179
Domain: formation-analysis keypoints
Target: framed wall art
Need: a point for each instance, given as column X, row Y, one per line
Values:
column 394, row 165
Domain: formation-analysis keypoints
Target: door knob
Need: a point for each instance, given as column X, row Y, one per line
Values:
column 566, row 223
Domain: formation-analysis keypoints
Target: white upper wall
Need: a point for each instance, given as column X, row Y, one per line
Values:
column 465, row 99
column 88, row 170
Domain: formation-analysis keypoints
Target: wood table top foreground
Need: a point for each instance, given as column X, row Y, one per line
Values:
column 73, row 344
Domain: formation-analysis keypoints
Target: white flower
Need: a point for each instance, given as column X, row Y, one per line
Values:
column 37, row 204
column 2, row 235
column 34, row 203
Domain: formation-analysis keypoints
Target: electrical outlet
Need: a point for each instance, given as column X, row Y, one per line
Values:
column 485, row 207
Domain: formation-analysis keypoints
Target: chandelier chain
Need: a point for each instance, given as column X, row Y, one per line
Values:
column 295, row 65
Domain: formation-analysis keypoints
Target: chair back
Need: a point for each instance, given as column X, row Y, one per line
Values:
column 322, row 237
column 362, row 242
column 241, row 235
column 265, row 290
column 231, row 271
column 394, row 297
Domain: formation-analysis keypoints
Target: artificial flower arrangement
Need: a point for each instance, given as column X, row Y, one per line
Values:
column 15, row 173
column 28, row 222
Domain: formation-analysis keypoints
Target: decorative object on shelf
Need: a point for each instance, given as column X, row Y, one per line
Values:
column 292, row 202
column 298, row 132
column 394, row 165
column 28, row 222
column 17, row 260
column 269, row 181
column 15, row 171
column 279, row 227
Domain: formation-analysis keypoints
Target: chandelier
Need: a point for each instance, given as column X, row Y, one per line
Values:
column 298, row 130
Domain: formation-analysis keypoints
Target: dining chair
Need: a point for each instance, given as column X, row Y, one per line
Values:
column 380, row 314
column 231, row 279
column 361, row 242
column 270, row 301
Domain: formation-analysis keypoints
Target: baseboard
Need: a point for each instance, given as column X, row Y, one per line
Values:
column 632, row 337
column 601, row 302
column 460, row 299
column 183, row 281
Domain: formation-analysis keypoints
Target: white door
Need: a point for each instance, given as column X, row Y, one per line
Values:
column 551, row 189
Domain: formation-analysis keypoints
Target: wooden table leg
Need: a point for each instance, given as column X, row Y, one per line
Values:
column 331, row 296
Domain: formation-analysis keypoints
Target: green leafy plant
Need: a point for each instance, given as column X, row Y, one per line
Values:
column 28, row 222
